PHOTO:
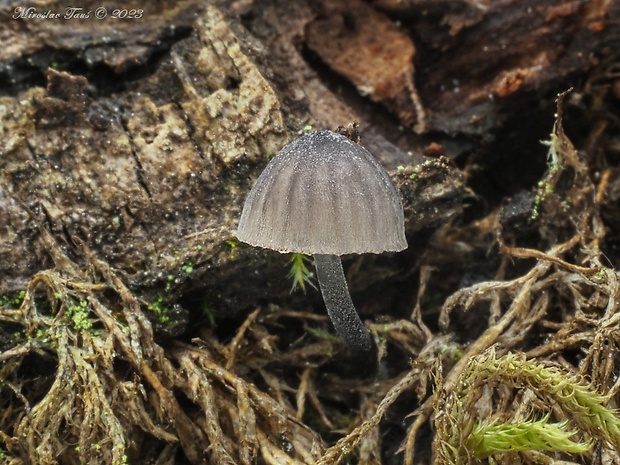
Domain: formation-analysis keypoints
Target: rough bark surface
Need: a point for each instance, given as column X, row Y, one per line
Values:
column 145, row 145
column 145, row 176
column 151, row 171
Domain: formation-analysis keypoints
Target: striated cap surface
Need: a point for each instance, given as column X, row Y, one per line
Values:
column 323, row 194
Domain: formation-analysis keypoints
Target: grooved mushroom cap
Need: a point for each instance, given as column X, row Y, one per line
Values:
column 323, row 194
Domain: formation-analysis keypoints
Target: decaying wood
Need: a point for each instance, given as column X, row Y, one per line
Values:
column 144, row 178
column 368, row 49
column 153, row 177
column 484, row 59
column 137, row 171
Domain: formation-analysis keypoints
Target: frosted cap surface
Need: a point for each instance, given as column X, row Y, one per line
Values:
column 323, row 194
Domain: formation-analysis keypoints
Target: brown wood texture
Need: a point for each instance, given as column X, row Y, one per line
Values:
column 141, row 137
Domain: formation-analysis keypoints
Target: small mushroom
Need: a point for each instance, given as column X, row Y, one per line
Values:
column 326, row 196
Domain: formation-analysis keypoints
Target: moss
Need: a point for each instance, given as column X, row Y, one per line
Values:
column 493, row 437
column 170, row 282
column 577, row 402
column 209, row 313
column 161, row 310
column 79, row 314
column 300, row 273
column 320, row 334
column 41, row 334
column 546, row 186
column 12, row 299
column 187, row 269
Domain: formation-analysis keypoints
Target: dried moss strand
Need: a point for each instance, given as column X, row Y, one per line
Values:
column 270, row 416
column 189, row 435
column 200, row 391
column 244, row 423
column 234, row 345
column 336, row 453
column 75, row 406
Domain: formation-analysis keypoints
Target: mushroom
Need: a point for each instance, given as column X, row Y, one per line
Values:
column 326, row 196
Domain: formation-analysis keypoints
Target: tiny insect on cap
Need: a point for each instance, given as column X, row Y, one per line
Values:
column 323, row 194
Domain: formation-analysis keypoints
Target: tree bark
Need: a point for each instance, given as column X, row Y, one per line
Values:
column 145, row 140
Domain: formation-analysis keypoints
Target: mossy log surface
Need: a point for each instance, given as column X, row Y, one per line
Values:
column 148, row 152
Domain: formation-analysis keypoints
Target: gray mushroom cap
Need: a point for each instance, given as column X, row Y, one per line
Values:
column 323, row 194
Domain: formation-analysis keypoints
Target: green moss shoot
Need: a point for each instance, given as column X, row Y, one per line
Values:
column 492, row 437
column 300, row 273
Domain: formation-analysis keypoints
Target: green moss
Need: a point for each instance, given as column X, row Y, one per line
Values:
column 300, row 273
column 578, row 402
column 546, row 187
column 320, row 334
column 78, row 312
column 492, row 437
column 209, row 313
column 171, row 281
column 41, row 334
column 161, row 310
column 187, row 269
column 12, row 299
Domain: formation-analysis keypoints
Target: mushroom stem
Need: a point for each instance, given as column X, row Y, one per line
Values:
column 342, row 312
